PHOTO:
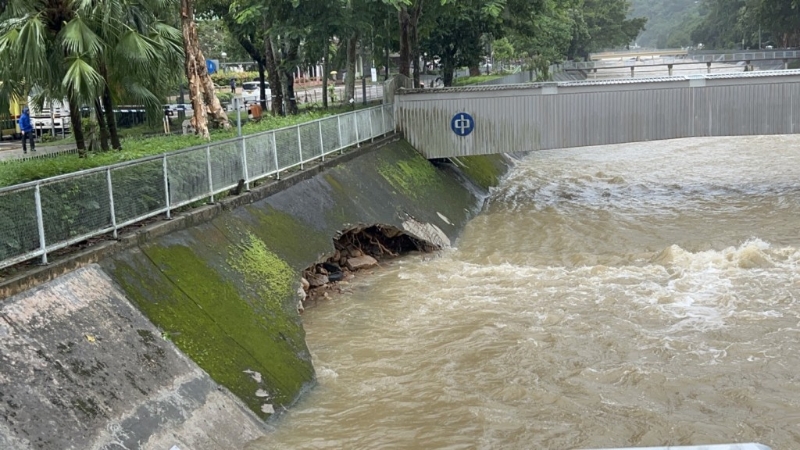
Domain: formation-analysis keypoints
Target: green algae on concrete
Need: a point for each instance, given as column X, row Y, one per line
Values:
column 411, row 176
column 259, row 266
column 285, row 235
column 228, row 336
column 484, row 170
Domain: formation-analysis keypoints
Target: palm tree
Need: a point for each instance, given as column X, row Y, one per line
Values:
column 50, row 44
column 85, row 50
column 141, row 57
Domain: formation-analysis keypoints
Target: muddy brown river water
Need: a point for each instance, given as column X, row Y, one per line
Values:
column 631, row 295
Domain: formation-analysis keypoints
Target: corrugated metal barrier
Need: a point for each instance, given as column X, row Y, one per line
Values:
column 453, row 122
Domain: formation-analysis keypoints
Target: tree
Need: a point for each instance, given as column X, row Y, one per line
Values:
column 245, row 29
column 216, row 37
column 52, row 44
column 607, row 26
column 456, row 34
column 547, row 37
column 409, row 13
column 669, row 24
column 88, row 53
column 139, row 61
column 201, row 88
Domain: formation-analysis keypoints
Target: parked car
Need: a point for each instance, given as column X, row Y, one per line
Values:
column 251, row 92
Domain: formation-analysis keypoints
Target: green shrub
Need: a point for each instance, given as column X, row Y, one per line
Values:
column 225, row 97
column 224, row 78
column 465, row 81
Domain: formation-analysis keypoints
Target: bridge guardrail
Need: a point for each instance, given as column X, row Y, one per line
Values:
column 693, row 58
column 40, row 217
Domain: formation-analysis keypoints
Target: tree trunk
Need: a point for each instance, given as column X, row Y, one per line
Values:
column 447, row 71
column 77, row 126
column 291, row 103
column 350, row 81
column 199, row 120
column 108, row 106
column 325, row 70
column 291, row 57
column 274, row 77
column 201, row 88
column 111, row 120
column 247, row 42
column 215, row 110
column 416, row 13
column 405, row 52
column 262, row 88
column 101, row 123
column 474, row 71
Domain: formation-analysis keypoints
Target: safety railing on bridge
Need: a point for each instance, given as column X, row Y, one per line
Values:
column 40, row 217
column 693, row 58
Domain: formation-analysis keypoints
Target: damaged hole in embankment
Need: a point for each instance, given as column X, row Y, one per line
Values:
column 357, row 249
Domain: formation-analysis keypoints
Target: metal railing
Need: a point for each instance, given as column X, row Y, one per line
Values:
column 39, row 217
column 688, row 59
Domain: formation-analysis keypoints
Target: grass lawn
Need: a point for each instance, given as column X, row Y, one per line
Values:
column 134, row 146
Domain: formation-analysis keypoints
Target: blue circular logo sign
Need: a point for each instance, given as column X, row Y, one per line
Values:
column 462, row 124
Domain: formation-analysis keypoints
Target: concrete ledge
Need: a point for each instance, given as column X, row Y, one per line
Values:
column 42, row 274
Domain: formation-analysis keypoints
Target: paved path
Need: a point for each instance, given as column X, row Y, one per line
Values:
column 10, row 150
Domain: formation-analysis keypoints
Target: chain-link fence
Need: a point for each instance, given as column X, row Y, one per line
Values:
column 43, row 216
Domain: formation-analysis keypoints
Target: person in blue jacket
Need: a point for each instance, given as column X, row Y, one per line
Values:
column 26, row 127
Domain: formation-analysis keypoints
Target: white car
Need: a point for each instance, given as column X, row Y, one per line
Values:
column 251, row 93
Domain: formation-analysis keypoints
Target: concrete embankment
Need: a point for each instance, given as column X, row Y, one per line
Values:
column 188, row 335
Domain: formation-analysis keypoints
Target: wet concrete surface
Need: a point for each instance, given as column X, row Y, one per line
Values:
column 83, row 369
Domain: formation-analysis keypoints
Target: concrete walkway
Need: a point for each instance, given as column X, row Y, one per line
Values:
column 12, row 150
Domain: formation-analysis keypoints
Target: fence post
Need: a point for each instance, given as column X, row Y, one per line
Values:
column 371, row 128
column 300, row 147
column 210, row 180
column 166, row 186
column 111, row 202
column 244, row 165
column 383, row 119
column 321, row 142
column 339, row 127
column 40, row 223
column 355, row 121
column 275, row 153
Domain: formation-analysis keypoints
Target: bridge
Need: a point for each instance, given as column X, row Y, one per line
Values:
column 453, row 122
column 622, row 60
column 638, row 53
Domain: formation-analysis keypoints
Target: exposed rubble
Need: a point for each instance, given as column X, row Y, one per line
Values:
column 356, row 249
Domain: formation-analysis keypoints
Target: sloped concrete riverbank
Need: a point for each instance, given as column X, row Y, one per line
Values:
column 187, row 334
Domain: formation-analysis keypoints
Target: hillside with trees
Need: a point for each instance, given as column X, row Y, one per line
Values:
column 719, row 24
column 669, row 23
column 749, row 24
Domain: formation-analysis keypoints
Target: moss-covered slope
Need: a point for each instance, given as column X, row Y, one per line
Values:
column 225, row 291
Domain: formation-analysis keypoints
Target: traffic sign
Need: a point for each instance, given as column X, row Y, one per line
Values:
column 462, row 124
column 211, row 66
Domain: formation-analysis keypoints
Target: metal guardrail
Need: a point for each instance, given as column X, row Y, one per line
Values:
column 691, row 59
column 39, row 217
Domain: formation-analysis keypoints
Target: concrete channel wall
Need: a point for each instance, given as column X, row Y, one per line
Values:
column 185, row 335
